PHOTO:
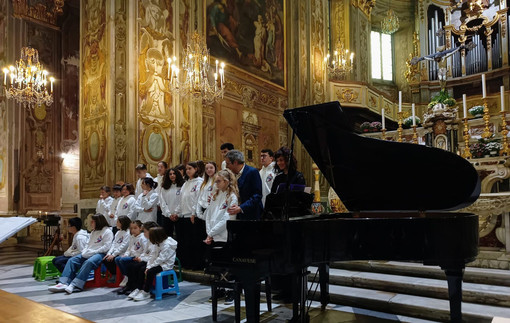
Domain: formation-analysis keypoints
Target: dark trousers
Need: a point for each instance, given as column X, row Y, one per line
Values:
column 151, row 274
column 184, row 235
column 60, row 262
column 136, row 275
column 198, row 245
column 111, row 266
column 169, row 226
column 160, row 217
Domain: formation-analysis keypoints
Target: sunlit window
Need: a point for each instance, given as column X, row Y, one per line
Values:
column 382, row 61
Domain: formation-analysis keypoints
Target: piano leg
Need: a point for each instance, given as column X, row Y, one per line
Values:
column 252, row 298
column 299, row 295
column 324, row 285
column 454, row 278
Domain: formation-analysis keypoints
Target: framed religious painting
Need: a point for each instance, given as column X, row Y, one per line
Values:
column 249, row 35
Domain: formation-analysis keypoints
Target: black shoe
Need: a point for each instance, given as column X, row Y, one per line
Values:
column 229, row 298
column 220, row 293
column 124, row 291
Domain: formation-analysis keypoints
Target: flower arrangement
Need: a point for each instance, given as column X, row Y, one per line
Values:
column 478, row 150
column 484, row 147
column 408, row 122
column 444, row 98
column 371, row 126
column 476, row 111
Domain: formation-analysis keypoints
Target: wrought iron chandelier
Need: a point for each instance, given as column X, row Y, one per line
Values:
column 198, row 79
column 390, row 23
column 26, row 81
column 341, row 63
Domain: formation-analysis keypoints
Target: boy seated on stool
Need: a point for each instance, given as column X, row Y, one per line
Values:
column 80, row 241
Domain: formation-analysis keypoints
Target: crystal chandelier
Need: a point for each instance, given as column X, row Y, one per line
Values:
column 198, row 79
column 390, row 23
column 341, row 63
column 26, row 82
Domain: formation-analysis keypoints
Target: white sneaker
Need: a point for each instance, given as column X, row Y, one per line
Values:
column 58, row 288
column 134, row 293
column 124, row 282
column 70, row 289
column 142, row 296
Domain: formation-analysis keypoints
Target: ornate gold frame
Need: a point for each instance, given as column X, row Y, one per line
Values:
column 204, row 20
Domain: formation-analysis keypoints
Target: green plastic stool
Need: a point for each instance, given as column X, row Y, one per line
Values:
column 43, row 267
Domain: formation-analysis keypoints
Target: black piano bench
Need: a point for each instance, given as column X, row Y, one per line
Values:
column 220, row 281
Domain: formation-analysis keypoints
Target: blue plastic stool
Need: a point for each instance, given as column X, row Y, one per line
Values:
column 159, row 289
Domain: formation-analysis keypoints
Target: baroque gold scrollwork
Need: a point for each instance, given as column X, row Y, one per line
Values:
column 38, row 10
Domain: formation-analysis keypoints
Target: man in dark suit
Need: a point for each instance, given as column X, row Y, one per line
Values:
column 250, row 187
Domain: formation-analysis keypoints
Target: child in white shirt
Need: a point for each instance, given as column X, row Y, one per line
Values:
column 117, row 196
column 187, row 234
column 147, row 203
column 105, row 201
column 77, row 269
column 216, row 215
column 80, row 241
column 127, row 203
column 136, row 247
column 170, row 198
column 162, row 258
column 119, row 245
column 139, row 263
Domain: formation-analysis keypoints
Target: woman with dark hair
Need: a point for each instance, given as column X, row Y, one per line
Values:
column 77, row 269
column 147, row 203
column 119, row 245
column 182, row 169
column 170, row 198
column 126, row 204
column 186, row 211
column 286, row 166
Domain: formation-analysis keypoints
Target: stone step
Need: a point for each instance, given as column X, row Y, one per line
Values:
column 427, row 287
column 411, row 305
column 496, row 277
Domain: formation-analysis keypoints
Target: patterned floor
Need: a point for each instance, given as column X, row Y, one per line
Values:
column 105, row 306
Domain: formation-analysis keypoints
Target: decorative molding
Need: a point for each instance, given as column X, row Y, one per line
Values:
column 365, row 6
column 38, row 11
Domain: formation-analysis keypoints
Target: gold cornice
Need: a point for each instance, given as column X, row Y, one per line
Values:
column 39, row 12
column 365, row 6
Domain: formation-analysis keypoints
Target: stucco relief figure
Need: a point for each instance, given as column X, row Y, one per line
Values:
column 153, row 104
column 155, row 17
column 95, row 25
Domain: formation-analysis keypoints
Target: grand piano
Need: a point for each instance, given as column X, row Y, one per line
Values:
column 398, row 194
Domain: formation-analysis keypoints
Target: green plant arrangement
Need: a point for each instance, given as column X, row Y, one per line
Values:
column 444, row 98
column 408, row 122
column 476, row 111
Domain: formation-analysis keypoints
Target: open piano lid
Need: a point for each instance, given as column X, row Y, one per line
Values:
column 370, row 174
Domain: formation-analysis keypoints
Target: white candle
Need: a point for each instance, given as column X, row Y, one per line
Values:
column 414, row 115
column 52, row 80
column 399, row 101
column 484, row 92
column 6, row 71
column 502, row 90
column 464, row 105
column 382, row 119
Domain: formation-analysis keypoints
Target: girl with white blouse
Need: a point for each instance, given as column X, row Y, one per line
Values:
column 186, row 212
column 147, row 203
column 126, row 205
column 170, row 198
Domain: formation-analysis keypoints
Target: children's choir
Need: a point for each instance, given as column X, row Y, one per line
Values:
column 134, row 230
